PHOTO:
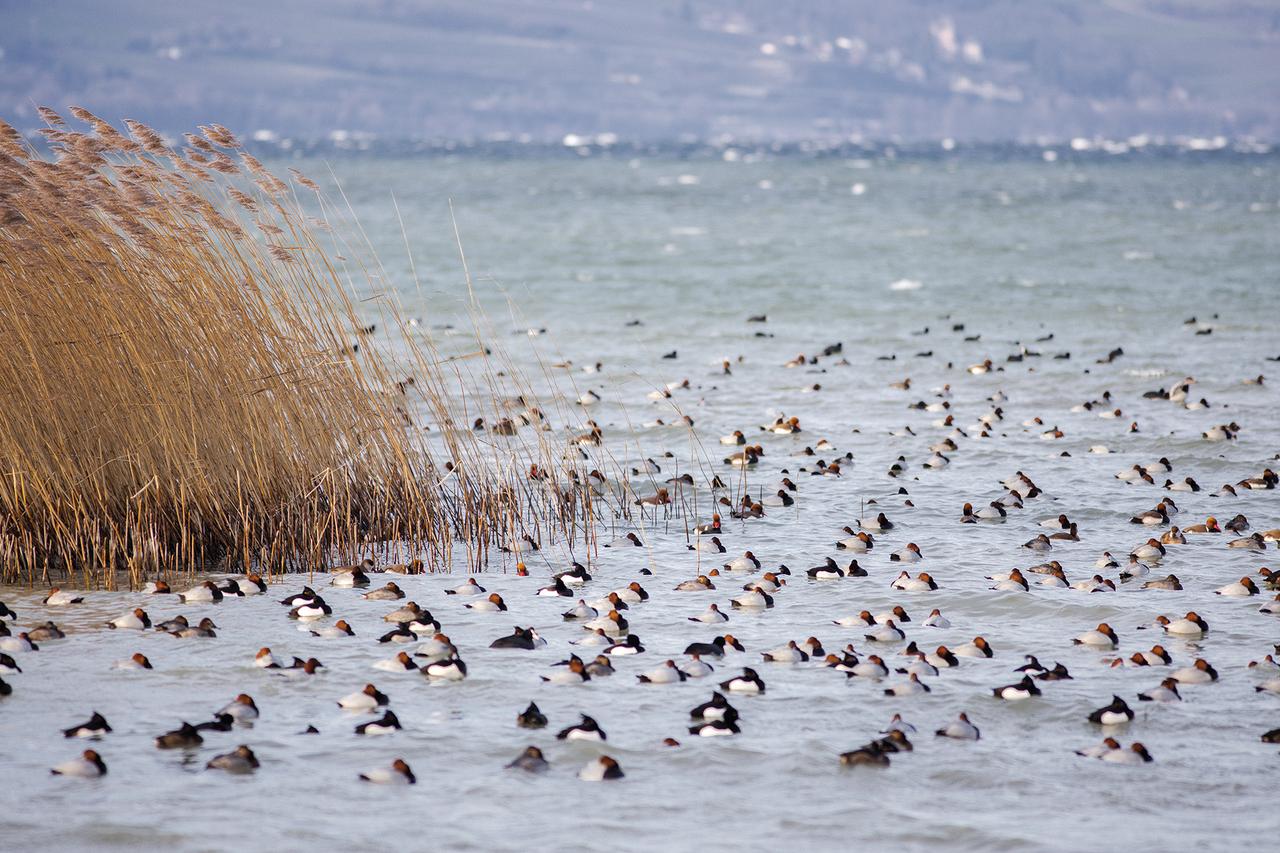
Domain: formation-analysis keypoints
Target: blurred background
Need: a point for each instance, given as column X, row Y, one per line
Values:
column 352, row 71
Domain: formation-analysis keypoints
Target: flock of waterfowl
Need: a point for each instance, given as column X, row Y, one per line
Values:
column 597, row 626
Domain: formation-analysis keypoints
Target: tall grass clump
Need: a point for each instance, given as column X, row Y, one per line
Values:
column 185, row 384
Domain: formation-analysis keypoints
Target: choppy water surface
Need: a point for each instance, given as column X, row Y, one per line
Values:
column 1101, row 255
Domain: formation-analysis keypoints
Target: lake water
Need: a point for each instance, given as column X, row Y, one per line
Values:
column 864, row 250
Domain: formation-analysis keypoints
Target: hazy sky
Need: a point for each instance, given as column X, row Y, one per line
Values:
column 654, row 69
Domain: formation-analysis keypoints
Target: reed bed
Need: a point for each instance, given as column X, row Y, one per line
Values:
column 187, row 382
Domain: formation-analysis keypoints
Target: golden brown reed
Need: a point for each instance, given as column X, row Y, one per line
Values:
column 182, row 385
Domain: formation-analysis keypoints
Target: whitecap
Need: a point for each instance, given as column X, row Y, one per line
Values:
column 906, row 284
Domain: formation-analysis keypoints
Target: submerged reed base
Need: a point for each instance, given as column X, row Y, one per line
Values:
column 186, row 385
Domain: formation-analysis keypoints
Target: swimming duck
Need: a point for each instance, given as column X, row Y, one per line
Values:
column 886, row 633
column 1166, row 692
column 1254, row 542
column 452, row 669
column 1190, row 625
column 910, row 687
column 1156, row 657
column 240, row 760
column 135, row 620
column 388, row 724
column 859, row 542
column 629, row 646
column 1135, row 754
column 697, row 667
column 587, row 729
column 601, row 769
column 389, row 592
column 95, row 727
column 960, row 729
column 711, row 615
column 1198, row 673
column 530, row 761
column 531, row 718
column 241, row 708
column 748, row 682
column 400, row 663
column 909, row 554
column 699, row 584
column 1024, row 689
column 574, row 673
column 350, row 580
column 337, row 629
column 1101, row 637
column 398, row 773
column 492, row 604
column 1116, row 714
column 979, row 648
column 88, row 766
column 136, row 661
column 668, row 673
column 366, row 700
column 922, row 582
column 57, row 597
column 184, row 737
column 1210, row 526
column 205, row 593
column 878, row 524
column 746, row 563
column 1243, row 587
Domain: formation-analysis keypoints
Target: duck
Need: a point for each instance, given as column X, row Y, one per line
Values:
column 753, row 599
column 581, row 610
column 1118, row 713
column 716, row 648
column 338, row 629
column 524, row 545
column 602, row 769
column 21, row 642
column 1167, row 582
column 451, row 669
column 613, row 623
column 1243, row 587
column 1156, row 657
column 859, row 542
column 943, row 658
column 711, row 545
column 135, row 620
column 870, row 755
column 1253, row 542
column 873, row 668
column 58, row 597
column 1101, row 637
column 574, row 673
column 960, row 729
column 1186, row 484
column 400, row 663
column 88, row 766
column 1024, row 689
column 668, row 673
column 135, row 661
column 718, row 708
column 492, row 604
column 1013, row 582
column 471, row 587
column 746, row 563
column 878, row 524
column 307, row 594
column 631, row 645
column 389, row 592
column 886, row 633
column 922, row 582
column 910, row 687
column 95, row 727
column 185, row 736
column 557, row 588
column 311, row 610
column 398, row 773
column 935, row 619
column 1040, row 544
column 531, row 718
column 979, row 648
column 632, row 593
column 367, row 699
column 350, row 580
column 530, row 761
column 1108, row 745
column 699, row 584
column 241, row 760
column 790, row 653
column 204, row 593
column 748, row 682
column 709, row 616
column 388, row 724
column 1166, row 692
column 910, row 554
column 1210, row 526
column 587, row 729
column 242, row 709
column 1200, row 672
column 1190, row 625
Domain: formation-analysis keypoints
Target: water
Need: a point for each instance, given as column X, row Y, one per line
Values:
column 1101, row 254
